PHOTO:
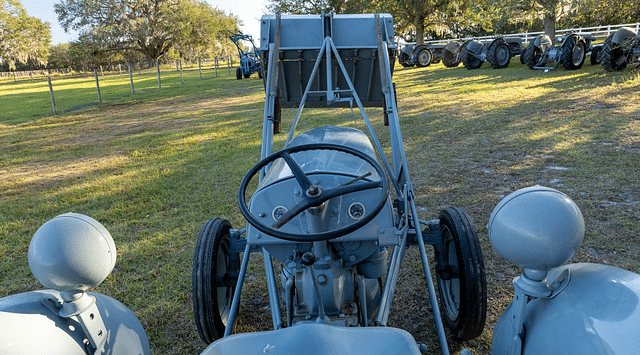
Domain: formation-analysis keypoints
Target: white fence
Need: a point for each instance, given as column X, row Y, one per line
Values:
column 599, row 32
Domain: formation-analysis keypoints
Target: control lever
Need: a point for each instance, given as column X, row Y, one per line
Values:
column 308, row 259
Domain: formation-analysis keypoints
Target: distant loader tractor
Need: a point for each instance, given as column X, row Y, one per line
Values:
column 249, row 59
column 621, row 48
column 571, row 53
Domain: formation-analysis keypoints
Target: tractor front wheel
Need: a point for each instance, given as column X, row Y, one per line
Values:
column 595, row 52
column 213, row 279
column 463, row 290
column 238, row 73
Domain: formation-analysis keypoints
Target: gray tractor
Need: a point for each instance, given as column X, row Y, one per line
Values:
column 421, row 56
column 621, row 49
column 498, row 52
column 571, row 53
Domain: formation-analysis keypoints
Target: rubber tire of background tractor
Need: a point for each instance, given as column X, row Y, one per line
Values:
column 449, row 59
column 423, row 56
column 212, row 303
column 470, row 61
column 532, row 55
column 611, row 54
column 404, row 59
column 595, row 52
column 499, row 54
column 463, row 298
column 573, row 52
column 238, row 73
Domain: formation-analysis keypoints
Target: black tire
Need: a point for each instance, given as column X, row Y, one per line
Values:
column 259, row 71
column 212, row 263
column 468, row 59
column 613, row 58
column 463, row 297
column 423, row 56
column 238, row 73
column 449, row 59
column 247, row 76
column 573, row 52
column 499, row 54
column 595, row 52
column 404, row 59
column 532, row 55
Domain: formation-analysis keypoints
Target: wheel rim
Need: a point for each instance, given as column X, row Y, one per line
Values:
column 578, row 54
column 224, row 293
column 451, row 288
column 502, row 55
column 424, row 57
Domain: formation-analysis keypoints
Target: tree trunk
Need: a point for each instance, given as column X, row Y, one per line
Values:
column 419, row 31
column 550, row 23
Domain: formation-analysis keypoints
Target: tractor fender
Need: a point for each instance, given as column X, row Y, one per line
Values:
column 408, row 49
column 623, row 36
column 29, row 326
column 475, row 47
column 543, row 42
column 598, row 312
column 573, row 35
column 452, row 47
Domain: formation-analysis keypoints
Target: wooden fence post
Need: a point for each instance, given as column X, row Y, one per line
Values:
column 131, row 80
column 95, row 73
column 158, row 71
column 53, row 100
column 200, row 68
column 229, row 64
column 181, row 80
column 101, row 71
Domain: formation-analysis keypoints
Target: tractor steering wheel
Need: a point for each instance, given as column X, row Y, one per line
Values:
column 313, row 195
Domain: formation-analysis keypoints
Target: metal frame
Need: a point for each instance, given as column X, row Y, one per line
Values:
column 407, row 223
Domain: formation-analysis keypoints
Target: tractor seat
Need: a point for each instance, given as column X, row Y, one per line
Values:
column 321, row 339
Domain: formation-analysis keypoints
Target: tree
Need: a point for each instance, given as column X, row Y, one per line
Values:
column 318, row 6
column 22, row 38
column 151, row 27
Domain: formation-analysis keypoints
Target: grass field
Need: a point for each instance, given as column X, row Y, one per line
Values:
column 154, row 167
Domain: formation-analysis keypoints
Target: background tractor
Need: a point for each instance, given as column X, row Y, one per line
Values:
column 249, row 59
column 620, row 49
column 498, row 52
column 571, row 53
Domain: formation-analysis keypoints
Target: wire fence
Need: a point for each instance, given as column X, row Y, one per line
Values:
column 27, row 94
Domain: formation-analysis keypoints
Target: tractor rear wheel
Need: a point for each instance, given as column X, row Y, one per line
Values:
column 238, row 73
column 463, row 295
column 573, row 52
column 449, row 59
column 404, row 59
column 212, row 283
column 469, row 60
column 613, row 58
column 499, row 54
column 424, row 57
column 595, row 52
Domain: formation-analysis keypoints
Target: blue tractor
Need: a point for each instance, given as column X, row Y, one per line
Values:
column 249, row 60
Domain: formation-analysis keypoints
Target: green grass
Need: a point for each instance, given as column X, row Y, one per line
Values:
column 155, row 166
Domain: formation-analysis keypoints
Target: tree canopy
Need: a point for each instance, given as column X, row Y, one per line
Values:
column 22, row 38
column 151, row 27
